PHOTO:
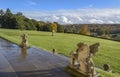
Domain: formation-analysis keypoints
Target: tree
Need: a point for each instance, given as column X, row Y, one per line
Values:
column 8, row 19
column 35, row 23
column 29, row 24
column 84, row 30
column 47, row 27
column 104, row 31
column 20, row 22
column 1, row 12
column 40, row 25
column 65, row 30
column 8, row 12
column 60, row 28
column 73, row 29
column 1, row 17
column 19, row 14
column 54, row 28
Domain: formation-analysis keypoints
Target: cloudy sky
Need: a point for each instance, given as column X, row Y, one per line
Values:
column 67, row 11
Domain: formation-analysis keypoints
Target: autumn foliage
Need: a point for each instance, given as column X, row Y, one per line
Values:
column 54, row 26
column 84, row 30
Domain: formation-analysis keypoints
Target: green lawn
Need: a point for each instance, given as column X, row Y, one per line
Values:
column 65, row 43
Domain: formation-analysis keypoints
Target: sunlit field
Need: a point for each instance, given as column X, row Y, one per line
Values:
column 65, row 43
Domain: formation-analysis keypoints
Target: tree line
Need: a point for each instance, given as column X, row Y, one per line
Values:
column 16, row 21
column 19, row 21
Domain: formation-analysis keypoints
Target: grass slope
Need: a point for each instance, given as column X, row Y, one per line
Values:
column 64, row 43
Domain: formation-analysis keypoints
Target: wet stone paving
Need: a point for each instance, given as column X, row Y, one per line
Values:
column 34, row 63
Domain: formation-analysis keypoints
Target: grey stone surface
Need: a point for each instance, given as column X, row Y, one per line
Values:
column 34, row 63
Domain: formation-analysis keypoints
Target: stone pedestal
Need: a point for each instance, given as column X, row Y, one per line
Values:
column 75, row 72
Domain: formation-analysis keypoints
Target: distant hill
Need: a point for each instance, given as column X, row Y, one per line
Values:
column 113, row 27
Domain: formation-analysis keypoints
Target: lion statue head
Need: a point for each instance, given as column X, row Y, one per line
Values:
column 94, row 48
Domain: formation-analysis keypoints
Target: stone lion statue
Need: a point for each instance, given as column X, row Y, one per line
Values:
column 83, row 58
column 94, row 48
column 24, row 42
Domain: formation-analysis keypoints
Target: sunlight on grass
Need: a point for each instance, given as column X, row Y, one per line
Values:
column 65, row 43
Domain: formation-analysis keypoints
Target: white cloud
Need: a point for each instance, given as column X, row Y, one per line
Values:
column 88, row 15
column 64, row 19
column 95, row 21
column 111, row 22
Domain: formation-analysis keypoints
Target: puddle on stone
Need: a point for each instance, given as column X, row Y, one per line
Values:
column 24, row 52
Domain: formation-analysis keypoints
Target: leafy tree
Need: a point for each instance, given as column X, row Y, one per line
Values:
column 103, row 30
column 8, row 12
column 73, row 29
column 54, row 26
column 60, row 28
column 29, row 24
column 8, row 19
column 1, row 12
column 65, row 30
column 19, row 14
column 35, row 24
column 16, row 21
column 1, row 17
column 47, row 27
column 20, row 21
column 84, row 30
column 40, row 25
